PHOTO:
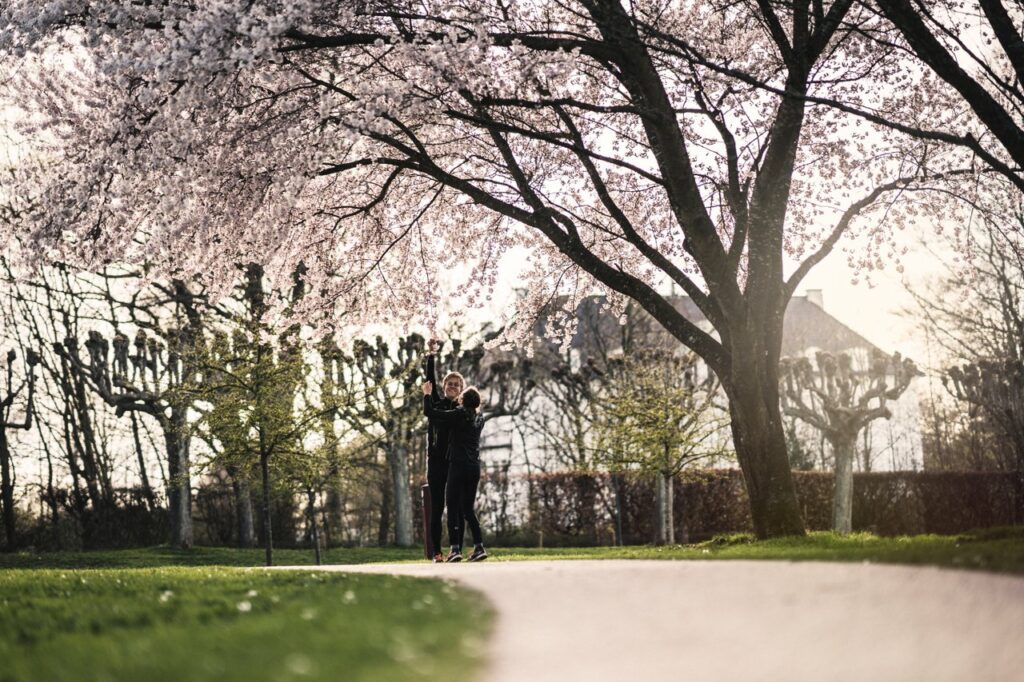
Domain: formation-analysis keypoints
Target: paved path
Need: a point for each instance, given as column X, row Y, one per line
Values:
column 635, row 621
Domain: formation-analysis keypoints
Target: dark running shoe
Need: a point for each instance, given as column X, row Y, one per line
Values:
column 479, row 554
column 438, row 558
column 454, row 557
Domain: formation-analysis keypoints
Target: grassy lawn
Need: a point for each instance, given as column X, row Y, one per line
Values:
column 997, row 549
column 160, row 614
column 229, row 624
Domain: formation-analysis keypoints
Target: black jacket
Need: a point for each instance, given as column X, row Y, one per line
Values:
column 464, row 431
column 438, row 432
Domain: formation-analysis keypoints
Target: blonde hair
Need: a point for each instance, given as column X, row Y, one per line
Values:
column 449, row 375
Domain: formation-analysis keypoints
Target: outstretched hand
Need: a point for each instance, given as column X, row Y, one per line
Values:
column 428, row 388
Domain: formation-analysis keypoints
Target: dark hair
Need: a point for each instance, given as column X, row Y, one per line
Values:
column 471, row 399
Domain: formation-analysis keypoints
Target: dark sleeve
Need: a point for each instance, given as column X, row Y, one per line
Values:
column 436, row 415
column 435, row 392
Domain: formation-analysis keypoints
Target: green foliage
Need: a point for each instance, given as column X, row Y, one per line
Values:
column 655, row 416
column 228, row 624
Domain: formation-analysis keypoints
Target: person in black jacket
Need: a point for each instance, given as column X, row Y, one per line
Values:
column 437, row 444
column 465, row 423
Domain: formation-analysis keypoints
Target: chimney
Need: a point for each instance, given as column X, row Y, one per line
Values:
column 814, row 296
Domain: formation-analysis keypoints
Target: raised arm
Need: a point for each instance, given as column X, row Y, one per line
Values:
column 432, row 372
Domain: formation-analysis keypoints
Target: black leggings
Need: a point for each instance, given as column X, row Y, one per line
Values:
column 437, row 475
column 463, row 479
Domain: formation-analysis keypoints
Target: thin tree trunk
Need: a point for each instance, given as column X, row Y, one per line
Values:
column 684, row 533
column 147, row 489
column 314, row 533
column 842, row 504
column 267, row 516
column 7, row 493
column 660, row 529
column 402, row 496
column 617, row 490
column 670, row 521
column 246, row 526
column 179, row 483
column 384, row 526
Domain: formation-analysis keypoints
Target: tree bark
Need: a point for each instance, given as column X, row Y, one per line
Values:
column 314, row 533
column 7, row 493
column 384, row 526
column 843, row 448
column 617, row 489
column 147, row 489
column 179, row 483
column 758, row 434
column 670, row 521
column 267, row 516
column 246, row 529
column 660, row 529
column 398, row 465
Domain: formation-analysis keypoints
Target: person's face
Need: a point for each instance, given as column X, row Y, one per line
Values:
column 452, row 388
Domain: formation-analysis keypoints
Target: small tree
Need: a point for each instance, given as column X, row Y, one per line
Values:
column 839, row 400
column 657, row 416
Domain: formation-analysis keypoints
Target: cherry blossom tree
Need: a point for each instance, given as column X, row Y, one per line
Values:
column 977, row 48
column 382, row 143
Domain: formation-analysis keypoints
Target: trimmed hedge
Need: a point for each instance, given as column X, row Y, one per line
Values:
column 581, row 509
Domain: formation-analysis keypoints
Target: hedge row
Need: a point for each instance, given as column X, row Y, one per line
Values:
column 584, row 509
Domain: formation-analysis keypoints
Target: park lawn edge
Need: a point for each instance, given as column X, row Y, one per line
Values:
column 999, row 550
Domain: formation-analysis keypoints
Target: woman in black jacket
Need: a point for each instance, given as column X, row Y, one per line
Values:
column 465, row 424
column 437, row 445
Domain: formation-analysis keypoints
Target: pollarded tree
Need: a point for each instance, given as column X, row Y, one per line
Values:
column 840, row 401
column 391, row 141
column 151, row 374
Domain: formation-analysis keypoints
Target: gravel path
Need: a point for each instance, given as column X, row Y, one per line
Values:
column 634, row 621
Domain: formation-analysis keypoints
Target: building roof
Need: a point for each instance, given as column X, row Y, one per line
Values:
column 807, row 326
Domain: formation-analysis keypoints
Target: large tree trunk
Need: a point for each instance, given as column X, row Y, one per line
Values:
column 398, row 465
column 843, row 449
column 758, row 434
column 7, row 493
column 179, row 483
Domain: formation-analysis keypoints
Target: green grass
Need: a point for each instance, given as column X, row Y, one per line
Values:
column 996, row 549
column 230, row 624
column 152, row 557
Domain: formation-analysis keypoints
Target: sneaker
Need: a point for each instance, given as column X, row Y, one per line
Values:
column 479, row 554
column 438, row 558
column 454, row 556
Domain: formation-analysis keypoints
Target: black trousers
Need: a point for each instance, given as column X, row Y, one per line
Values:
column 463, row 479
column 437, row 477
